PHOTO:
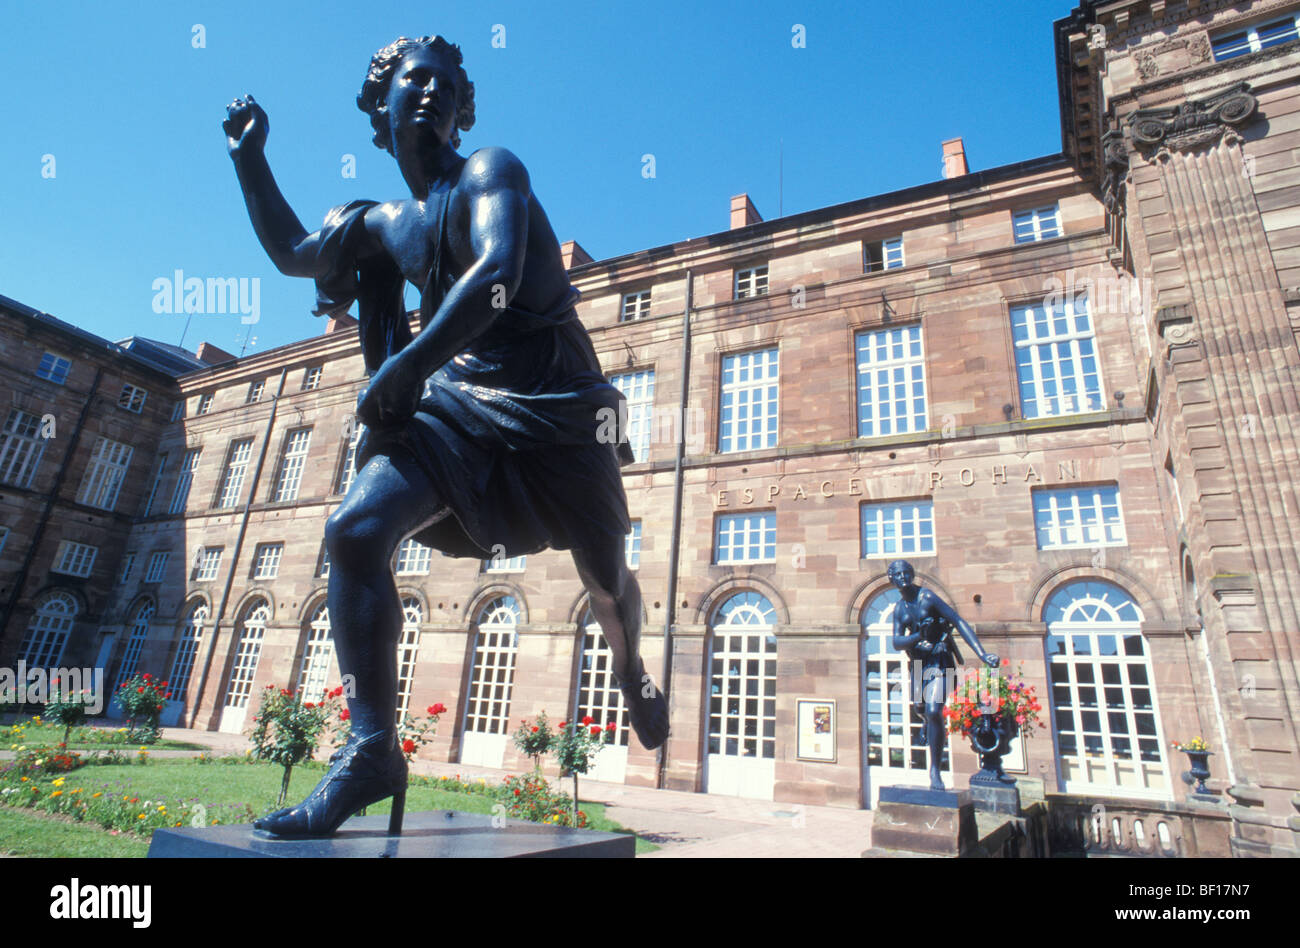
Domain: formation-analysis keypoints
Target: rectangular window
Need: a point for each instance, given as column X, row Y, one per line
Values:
column 748, row 418
column 254, row 391
column 898, row 529
column 55, row 368
column 413, row 558
column 323, row 564
column 178, row 410
column 105, row 474
column 632, row 546
column 209, row 562
column 291, row 465
column 205, row 404
column 160, row 469
column 349, row 469
column 132, row 398
column 311, row 378
column 1077, row 518
column 1041, row 223
column 1252, row 39
column 745, row 538
column 128, row 566
column 21, row 447
column 266, row 560
column 891, row 382
column 505, row 564
column 157, row 568
column 882, row 255
column 751, row 282
column 639, row 390
column 181, row 496
column 74, row 559
column 635, row 306
column 232, row 482
column 1056, row 358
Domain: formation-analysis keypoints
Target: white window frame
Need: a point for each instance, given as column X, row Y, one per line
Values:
column 492, row 667
column 632, row 546
column 890, row 367
column 184, row 480
column 750, row 282
column 255, row 390
column 157, row 566
column 317, row 655
column 635, row 306
column 205, row 404
column 1252, row 42
column 21, row 448
column 248, row 653
column 232, row 480
column 187, row 648
column 348, row 472
column 408, row 653
column 208, row 565
column 890, row 255
column 128, row 566
column 266, row 560
column 160, row 471
column 505, row 564
column 736, row 537
column 178, row 410
column 639, row 390
column 74, row 559
column 323, row 562
column 1061, row 517
column 311, row 377
column 48, row 631
column 902, row 528
column 755, row 380
column 135, row 644
column 1037, row 343
column 55, row 370
column 598, row 694
column 109, row 462
column 413, row 558
column 292, row 461
column 132, row 398
column 1035, row 218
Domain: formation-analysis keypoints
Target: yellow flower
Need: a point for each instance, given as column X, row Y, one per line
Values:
column 59, row 782
column 24, row 779
column 98, row 794
column 57, row 793
column 140, row 817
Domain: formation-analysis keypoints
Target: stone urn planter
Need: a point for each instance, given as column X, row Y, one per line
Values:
column 1200, row 769
column 991, row 738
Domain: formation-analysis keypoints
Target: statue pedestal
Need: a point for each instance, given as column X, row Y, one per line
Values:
column 441, row 834
column 918, row 820
column 995, row 796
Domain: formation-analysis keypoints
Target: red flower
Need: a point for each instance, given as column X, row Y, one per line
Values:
column 163, row 685
column 595, row 731
column 516, row 791
column 564, row 724
column 586, row 720
column 345, row 714
column 147, row 676
column 408, row 746
column 140, row 690
column 611, row 726
column 309, row 704
column 439, row 708
column 169, row 696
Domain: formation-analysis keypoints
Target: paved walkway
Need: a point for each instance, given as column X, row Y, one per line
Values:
column 682, row 824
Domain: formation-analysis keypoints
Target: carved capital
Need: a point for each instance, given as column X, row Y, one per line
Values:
column 1192, row 124
column 1114, row 157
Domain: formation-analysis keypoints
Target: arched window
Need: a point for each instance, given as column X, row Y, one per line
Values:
column 894, row 737
column 135, row 644
column 493, row 674
column 317, row 655
column 599, row 696
column 408, row 650
column 47, row 633
column 187, row 646
column 1104, row 714
column 742, row 697
column 252, row 632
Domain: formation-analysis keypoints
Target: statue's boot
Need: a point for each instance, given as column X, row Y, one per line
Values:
column 649, row 716
column 362, row 772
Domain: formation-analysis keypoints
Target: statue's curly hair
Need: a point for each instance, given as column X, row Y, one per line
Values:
column 374, row 91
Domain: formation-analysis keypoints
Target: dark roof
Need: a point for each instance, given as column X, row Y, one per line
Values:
column 146, row 353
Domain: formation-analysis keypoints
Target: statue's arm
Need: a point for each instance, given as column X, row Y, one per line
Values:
column 285, row 240
column 901, row 641
column 497, row 188
column 964, row 629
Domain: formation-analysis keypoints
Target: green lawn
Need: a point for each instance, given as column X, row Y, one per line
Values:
column 224, row 789
column 49, row 735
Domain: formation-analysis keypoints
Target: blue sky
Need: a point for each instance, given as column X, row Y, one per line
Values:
column 131, row 112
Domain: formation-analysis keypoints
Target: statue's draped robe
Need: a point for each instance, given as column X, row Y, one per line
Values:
column 514, row 432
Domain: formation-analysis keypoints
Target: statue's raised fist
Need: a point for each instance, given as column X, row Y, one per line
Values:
column 246, row 125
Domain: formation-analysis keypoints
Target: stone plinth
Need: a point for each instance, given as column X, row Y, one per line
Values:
column 937, row 822
column 442, row 834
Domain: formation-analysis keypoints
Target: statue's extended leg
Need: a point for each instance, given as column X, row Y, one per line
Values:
column 615, row 599
column 934, row 738
column 388, row 499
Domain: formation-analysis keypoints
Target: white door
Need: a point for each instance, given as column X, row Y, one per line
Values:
column 894, row 752
column 600, row 699
column 487, row 712
column 741, row 758
column 244, row 669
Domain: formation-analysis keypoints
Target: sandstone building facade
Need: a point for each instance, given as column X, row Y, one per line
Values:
column 1064, row 389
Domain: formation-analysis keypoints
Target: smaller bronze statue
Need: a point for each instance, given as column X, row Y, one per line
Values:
column 923, row 627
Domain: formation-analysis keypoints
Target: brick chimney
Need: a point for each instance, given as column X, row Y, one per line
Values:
column 573, row 255
column 743, row 212
column 212, row 355
column 339, row 323
column 954, row 159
